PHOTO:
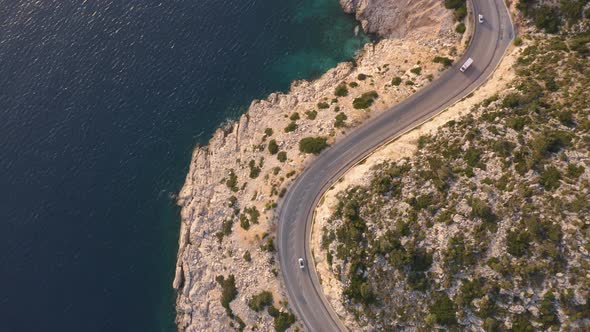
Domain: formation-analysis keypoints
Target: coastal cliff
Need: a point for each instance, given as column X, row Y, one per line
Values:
column 226, row 271
column 399, row 19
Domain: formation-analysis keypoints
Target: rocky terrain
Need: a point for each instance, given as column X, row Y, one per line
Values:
column 483, row 224
column 397, row 19
column 226, row 274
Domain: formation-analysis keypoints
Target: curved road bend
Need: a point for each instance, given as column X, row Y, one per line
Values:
column 488, row 44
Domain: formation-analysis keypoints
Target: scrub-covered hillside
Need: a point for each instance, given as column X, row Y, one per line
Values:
column 488, row 224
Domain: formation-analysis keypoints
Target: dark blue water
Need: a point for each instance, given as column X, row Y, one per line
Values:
column 101, row 103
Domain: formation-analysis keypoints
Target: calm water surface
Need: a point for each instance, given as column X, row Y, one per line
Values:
column 101, row 103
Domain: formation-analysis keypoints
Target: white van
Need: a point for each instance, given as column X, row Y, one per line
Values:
column 466, row 65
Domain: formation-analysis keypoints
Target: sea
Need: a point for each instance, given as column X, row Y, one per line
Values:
column 101, row 105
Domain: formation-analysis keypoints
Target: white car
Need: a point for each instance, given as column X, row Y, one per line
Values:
column 301, row 263
column 480, row 18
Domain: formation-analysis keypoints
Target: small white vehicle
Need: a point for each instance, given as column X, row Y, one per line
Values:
column 466, row 65
column 480, row 18
column 301, row 263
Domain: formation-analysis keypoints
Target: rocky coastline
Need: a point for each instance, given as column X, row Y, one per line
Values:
column 234, row 183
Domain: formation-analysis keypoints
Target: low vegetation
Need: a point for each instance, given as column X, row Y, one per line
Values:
column 365, row 100
column 485, row 227
column 313, row 145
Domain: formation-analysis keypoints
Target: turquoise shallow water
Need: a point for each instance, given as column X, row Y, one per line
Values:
column 102, row 103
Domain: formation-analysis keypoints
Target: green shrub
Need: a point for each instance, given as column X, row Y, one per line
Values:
column 518, row 242
column 244, row 222
column 292, row 126
column 260, row 301
column 443, row 310
column 232, row 182
column 460, row 13
column 566, row 118
column 282, row 156
column 313, row 145
column 253, row 213
column 446, row 62
column 365, row 100
column 472, row 156
column 229, row 292
column 574, row 171
column 548, row 312
column 323, row 105
column 547, row 18
column 459, row 6
column 416, row 70
column 396, row 81
column 254, row 170
column 311, row 115
column 340, row 118
column 268, row 132
column 353, row 84
column 421, row 202
column 460, row 28
column 361, row 77
column 273, row 147
column 522, row 324
column 550, row 178
column 459, row 254
column 247, row 257
column 282, row 320
column 470, row 290
column 294, row 117
column 481, row 210
column 341, row 90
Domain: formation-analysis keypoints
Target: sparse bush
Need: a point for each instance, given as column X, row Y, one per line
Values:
column 311, row 115
column 292, row 126
column 416, row 70
column 341, row 90
column 282, row 156
column 550, row 178
column 323, row 105
column 340, row 118
column 443, row 310
column 547, row 18
column 365, row 100
column 294, row 117
column 396, row 81
column 282, row 320
column 273, row 147
column 518, row 242
column 472, row 157
column 260, row 301
column 460, row 28
column 517, row 41
column 254, row 170
column 446, row 62
column 353, row 84
column 232, row 182
column 361, row 77
column 229, row 292
column 268, row 132
column 313, row 145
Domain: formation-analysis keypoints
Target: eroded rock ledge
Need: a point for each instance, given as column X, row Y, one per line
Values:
column 234, row 183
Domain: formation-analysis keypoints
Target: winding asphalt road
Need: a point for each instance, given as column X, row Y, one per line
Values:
column 488, row 44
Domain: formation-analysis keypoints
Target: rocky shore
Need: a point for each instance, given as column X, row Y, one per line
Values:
column 235, row 182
